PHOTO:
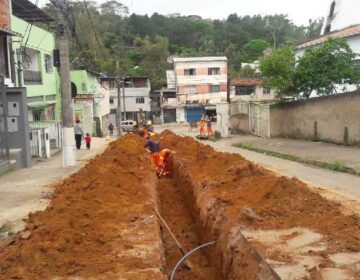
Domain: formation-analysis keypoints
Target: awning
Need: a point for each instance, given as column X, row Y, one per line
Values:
column 40, row 105
column 29, row 12
column 8, row 32
column 194, row 106
column 210, row 107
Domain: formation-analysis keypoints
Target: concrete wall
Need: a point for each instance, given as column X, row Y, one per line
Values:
column 322, row 118
column 239, row 123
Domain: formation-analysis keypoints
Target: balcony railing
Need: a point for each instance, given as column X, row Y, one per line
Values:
column 32, row 77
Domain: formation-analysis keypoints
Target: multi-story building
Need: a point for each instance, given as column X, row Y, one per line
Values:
column 33, row 53
column 91, row 101
column 200, row 82
column 136, row 94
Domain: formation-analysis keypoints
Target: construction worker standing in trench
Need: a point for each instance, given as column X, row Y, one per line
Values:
column 154, row 147
column 164, row 166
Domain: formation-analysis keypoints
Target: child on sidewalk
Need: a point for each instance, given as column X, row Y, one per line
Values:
column 87, row 140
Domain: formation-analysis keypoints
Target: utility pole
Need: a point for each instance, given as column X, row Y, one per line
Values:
column 123, row 91
column 118, row 111
column 69, row 156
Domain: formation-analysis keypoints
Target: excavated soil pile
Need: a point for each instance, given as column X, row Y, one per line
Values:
column 228, row 190
column 99, row 225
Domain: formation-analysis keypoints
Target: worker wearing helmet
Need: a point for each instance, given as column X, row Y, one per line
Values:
column 202, row 127
column 164, row 166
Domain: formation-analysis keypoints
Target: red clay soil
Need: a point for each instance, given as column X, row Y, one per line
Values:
column 177, row 216
column 99, row 225
column 280, row 202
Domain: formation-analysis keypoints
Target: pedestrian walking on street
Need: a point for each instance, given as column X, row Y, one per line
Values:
column 87, row 140
column 111, row 129
column 78, row 134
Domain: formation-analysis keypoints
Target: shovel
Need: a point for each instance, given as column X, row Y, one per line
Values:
column 187, row 262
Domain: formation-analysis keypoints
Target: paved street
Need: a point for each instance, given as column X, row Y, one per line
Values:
column 340, row 186
column 27, row 190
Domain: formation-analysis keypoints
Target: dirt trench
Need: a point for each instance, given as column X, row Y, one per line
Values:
column 180, row 221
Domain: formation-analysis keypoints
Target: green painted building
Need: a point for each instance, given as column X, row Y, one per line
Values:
column 92, row 105
column 33, row 52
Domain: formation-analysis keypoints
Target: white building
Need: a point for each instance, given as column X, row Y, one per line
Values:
column 137, row 98
column 201, row 82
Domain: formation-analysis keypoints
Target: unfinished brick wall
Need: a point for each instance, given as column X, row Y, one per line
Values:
column 4, row 14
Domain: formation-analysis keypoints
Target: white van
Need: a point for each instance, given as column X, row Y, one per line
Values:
column 128, row 126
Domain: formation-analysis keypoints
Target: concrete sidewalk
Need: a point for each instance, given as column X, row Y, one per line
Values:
column 27, row 190
column 317, row 151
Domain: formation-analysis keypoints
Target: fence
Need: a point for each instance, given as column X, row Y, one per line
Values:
column 54, row 130
column 257, row 116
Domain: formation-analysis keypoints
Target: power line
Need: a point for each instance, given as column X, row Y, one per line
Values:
column 93, row 27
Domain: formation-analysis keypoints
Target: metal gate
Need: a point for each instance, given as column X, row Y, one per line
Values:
column 259, row 119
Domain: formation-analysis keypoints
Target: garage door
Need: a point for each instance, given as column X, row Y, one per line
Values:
column 194, row 113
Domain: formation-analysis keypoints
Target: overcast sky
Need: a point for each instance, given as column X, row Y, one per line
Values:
column 300, row 11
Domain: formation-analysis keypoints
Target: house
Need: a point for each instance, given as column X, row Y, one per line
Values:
column 33, row 54
column 200, row 82
column 135, row 91
column 91, row 101
column 250, row 90
column 352, row 36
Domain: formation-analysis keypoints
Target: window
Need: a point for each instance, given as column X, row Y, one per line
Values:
column 190, row 72
column 140, row 100
column 244, row 90
column 38, row 115
column 214, row 71
column 214, row 88
column 190, row 89
column 48, row 63
column 266, row 90
column 111, row 100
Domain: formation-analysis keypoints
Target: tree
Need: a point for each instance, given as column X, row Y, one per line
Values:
column 247, row 72
column 254, row 49
column 114, row 7
column 324, row 68
column 278, row 69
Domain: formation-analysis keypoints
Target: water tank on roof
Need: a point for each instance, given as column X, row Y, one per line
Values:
column 341, row 14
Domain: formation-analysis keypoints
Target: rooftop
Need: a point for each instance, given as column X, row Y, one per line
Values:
column 342, row 33
column 29, row 12
column 198, row 59
column 246, row 81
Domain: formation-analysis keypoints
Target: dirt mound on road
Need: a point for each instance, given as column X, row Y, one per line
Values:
column 279, row 202
column 99, row 224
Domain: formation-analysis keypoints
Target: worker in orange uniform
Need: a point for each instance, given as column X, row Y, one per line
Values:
column 145, row 132
column 154, row 147
column 164, row 166
column 202, row 127
column 208, row 126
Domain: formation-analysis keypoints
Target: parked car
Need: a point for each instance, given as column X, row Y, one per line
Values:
column 128, row 126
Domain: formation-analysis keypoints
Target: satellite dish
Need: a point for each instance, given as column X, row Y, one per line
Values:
column 170, row 59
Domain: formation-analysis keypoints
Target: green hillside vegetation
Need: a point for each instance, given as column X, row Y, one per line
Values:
column 102, row 36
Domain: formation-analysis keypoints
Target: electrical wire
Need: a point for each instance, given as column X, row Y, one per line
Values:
column 188, row 254
column 93, row 27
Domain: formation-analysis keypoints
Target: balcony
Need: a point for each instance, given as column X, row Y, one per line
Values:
column 32, row 77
